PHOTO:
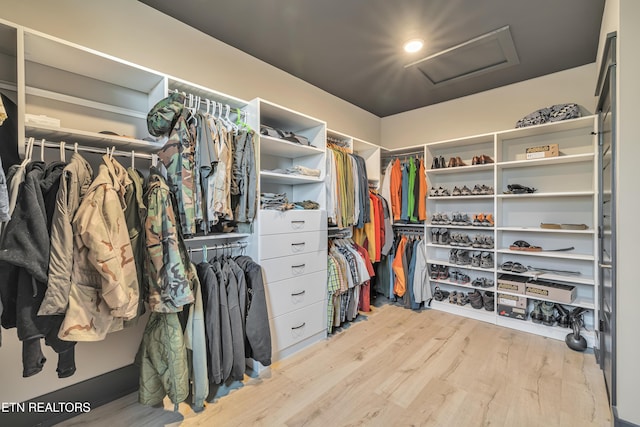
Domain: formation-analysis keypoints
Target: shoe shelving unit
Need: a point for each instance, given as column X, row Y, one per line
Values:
column 565, row 194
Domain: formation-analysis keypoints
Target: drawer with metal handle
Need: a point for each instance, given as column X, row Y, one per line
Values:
column 276, row 269
column 291, row 244
column 291, row 294
column 298, row 325
column 293, row 221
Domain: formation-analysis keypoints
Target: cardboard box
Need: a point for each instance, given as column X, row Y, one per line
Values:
column 512, row 283
column 512, row 312
column 553, row 291
column 512, row 300
column 542, row 151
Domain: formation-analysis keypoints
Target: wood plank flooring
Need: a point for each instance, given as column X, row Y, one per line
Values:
column 402, row 368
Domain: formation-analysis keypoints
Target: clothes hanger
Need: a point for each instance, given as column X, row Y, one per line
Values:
column 63, row 155
column 205, row 253
column 42, row 149
column 75, row 147
column 133, row 160
column 154, row 160
column 28, row 152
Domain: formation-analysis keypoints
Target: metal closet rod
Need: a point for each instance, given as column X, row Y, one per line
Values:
column 237, row 245
column 84, row 148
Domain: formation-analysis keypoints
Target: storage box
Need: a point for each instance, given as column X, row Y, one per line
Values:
column 41, row 120
column 512, row 300
column 542, row 151
column 512, row 312
column 511, row 283
column 553, row 291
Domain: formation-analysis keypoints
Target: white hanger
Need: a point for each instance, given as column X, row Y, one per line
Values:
column 62, row 153
column 42, row 141
column 75, row 147
column 205, row 253
column 133, row 159
column 28, row 151
column 154, row 160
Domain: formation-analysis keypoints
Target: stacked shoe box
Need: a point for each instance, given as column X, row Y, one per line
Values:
column 513, row 306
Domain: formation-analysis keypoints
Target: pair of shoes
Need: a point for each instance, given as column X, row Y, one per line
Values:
column 441, row 191
column 459, row 257
column 439, row 294
column 543, row 312
column 482, row 282
column 464, row 191
column 483, row 220
column 475, row 298
column 482, row 259
column 459, row 277
column 440, row 219
column 480, row 241
column 439, row 236
column 462, row 299
column 459, row 239
column 438, row 163
column 482, row 159
column 488, row 298
column 460, row 219
column 521, row 245
column 455, row 162
column 481, row 190
column 518, row 189
column 516, row 267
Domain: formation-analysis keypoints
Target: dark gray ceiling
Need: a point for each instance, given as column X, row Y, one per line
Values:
column 353, row 48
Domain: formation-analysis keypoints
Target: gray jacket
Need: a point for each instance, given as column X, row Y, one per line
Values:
column 243, row 177
column 195, row 341
column 74, row 183
column 4, row 197
column 257, row 321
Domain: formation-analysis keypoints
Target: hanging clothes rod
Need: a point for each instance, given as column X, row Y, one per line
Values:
column 236, row 245
column 83, row 148
column 386, row 156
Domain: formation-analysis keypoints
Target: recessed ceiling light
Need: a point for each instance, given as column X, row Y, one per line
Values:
column 413, row 45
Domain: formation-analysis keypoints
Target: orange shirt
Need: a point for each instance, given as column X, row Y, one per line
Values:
column 399, row 286
column 422, row 203
column 396, row 190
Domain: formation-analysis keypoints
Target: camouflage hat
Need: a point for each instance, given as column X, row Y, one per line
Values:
column 164, row 114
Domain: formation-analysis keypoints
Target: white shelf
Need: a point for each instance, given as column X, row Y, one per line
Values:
column 578, row 302
column 463, row 285
column 547, row 128
column 221, row 236
column 469, row 248
column 471, row 168
column 549, row 194
column 289, row 179
column 283, row 148
column 483, row 196
column 462, row 227
column 545, row 230
column 554, row 332
column 574, row 158
column 466, row 267
column 549, row 254
column 94, row 139
column 399, row 224
column 553, row 277
column 465, row 310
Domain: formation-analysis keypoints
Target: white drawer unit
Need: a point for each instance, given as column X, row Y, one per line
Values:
column 282, row 268
column 291, row 328
column 292, row 294
column 292, row 244
column 293, row 221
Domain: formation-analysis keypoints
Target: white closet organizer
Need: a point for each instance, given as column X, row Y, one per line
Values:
column 565, row 194
column 291, row 246
column 368, row 151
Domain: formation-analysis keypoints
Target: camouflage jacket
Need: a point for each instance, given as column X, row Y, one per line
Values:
column 177, row 156
column 168, row 273
column 104, row 284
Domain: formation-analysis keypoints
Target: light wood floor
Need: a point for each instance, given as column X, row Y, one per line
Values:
column 401, row 368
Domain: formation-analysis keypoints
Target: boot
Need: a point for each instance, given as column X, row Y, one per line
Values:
column 548, row 311
column 536, row 314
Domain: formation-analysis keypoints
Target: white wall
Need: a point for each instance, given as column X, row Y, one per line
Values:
column 628, row 207
column 489, row 111
column 135, row 32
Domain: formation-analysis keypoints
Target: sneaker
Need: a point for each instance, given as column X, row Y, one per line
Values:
column 443, row 236
column 435, row 219
column 463, row 278
column 465, row 220
column 433, row 271
column 435, row 232
column 465, row 191
column 478, row 282
column 475, row 260
column 486, row 190
column 433, row 192
column 464, row 240
column 439, row 294
column 488, row 220
column 453, row 297
column 488, row 283
column 486, row 260
column 476, row 222
column 477, row 190
column 487, row 242
column 477, row 241
column 462, row 299
column 443, row 272
column 463, row 258
column 453, row 256
column 456, row 191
